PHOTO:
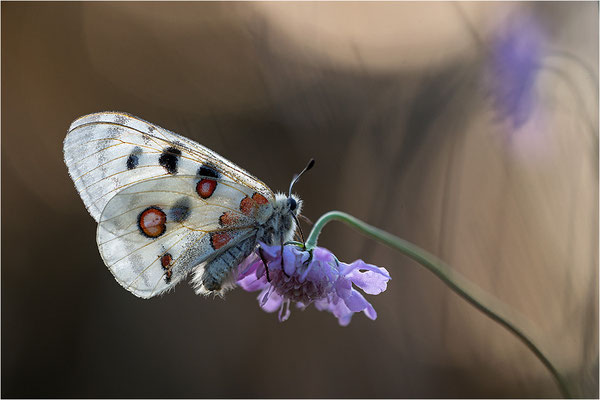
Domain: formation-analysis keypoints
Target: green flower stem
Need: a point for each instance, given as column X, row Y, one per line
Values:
column 483, row 301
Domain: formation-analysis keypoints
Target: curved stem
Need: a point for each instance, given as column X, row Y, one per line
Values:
column 483, row 301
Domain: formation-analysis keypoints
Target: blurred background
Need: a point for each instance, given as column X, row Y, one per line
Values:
column 470, row 129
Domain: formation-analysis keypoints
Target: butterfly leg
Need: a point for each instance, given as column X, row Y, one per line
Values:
column 262, row 257
column 282, row 259
column 300, row 230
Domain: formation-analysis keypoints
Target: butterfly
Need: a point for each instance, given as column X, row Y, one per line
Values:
column 167, row 206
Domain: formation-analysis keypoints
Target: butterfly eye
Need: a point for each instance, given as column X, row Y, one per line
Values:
column 292, row 203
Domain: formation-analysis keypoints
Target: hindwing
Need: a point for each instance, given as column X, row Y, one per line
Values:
column 153, row 233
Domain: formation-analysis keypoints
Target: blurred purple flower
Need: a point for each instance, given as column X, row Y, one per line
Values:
column 515, row 60
column 319, row 279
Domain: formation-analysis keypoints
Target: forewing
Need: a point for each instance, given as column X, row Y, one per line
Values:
column 135, row 247
column 110, row 151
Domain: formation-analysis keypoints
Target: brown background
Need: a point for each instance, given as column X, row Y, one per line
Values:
column 393, row 101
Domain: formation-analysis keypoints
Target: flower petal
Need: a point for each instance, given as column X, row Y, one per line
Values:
column 270, row 300
column 323, row 305
column 369, row 281
column 302, row 277
column 263, row 296
column 345, row 319
column 370, row 312
column 322, row 255
column 355, row 301
column 271, row 253
column 248, row 266
column 337, row 308
column 251, row 283
column 289, row 261
column 360, row 264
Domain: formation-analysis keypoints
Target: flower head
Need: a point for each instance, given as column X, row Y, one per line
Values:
column 515, row 61
column 306, row 277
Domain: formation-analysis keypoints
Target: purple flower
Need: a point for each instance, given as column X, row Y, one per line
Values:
column 311, row 277
column 515, row 62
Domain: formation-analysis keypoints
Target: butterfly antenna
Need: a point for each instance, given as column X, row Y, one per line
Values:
column 295, row 179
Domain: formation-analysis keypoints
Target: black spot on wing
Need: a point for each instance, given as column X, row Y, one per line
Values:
column 180, row 210
column 208, row 170
column 134, row 158
column 169, row 159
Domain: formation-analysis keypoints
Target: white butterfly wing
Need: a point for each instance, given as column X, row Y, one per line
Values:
column 153, row 233
column 109, row 151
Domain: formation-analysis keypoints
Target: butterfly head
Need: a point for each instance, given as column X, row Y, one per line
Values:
column 294, row 204
column 287, row 205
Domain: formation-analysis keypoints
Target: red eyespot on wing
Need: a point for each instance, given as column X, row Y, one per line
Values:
column 259, row 199
column 228, row 218
column 218, row 240
column 206, row 187
column 166, row 261
column 152, row 222
column 247, row 205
